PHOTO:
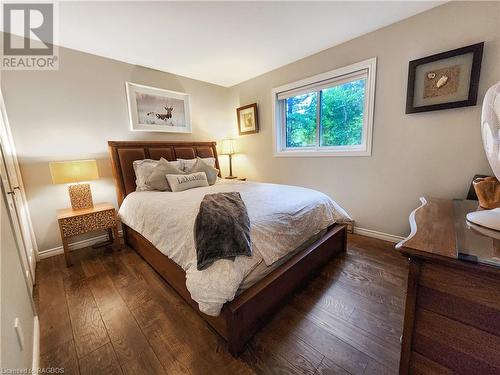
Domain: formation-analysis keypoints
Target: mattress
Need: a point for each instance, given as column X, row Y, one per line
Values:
column 281, row 217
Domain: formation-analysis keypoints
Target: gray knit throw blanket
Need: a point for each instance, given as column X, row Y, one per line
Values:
column 221, row 229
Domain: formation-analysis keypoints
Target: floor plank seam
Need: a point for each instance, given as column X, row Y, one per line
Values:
column 319, row 365
column 136, row 321
column 339, row 338
column 142, row 331
column 106, row 328
column 324, row 355
column 367, row 333
column 71, row 324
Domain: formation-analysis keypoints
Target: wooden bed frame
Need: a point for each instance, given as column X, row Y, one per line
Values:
column 241, row 318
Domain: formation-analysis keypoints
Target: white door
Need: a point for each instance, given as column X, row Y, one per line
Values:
column 26, row 257
column 19, row 331
column 16, row 199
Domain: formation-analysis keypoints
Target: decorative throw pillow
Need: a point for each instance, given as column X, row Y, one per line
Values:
column 157, row 179
column 211, row 172
column 181, row 182
column 188, row 164
column 143, row 169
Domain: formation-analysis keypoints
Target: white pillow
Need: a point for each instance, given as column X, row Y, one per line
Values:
column 181, row 182
column 211, row 172
column 176, row 163
column 188, row 164
column 143, row 169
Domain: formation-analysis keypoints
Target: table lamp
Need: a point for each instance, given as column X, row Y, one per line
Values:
column 72, row 173
column 228, row 148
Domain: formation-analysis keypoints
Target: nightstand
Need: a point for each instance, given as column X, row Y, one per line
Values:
column 76, row 222
column 236, row 178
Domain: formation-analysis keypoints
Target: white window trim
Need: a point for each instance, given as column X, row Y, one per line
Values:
column 363, row 150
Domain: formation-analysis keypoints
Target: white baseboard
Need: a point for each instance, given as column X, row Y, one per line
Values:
column 379, row 235
column 90, row 241
column 74, row 246
column 35, row 364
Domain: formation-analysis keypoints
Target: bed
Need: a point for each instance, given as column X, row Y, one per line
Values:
column 248, row 308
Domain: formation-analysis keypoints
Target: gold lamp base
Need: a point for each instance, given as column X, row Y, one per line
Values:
column 80, row 196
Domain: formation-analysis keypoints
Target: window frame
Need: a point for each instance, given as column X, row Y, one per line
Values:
column 279, row 116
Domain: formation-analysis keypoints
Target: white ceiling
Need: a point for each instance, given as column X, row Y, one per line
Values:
column 221, row 42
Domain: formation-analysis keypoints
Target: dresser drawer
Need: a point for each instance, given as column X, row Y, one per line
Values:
column 454, row 345
column 72, row 226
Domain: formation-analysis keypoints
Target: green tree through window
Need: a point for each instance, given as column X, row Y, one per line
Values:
column 340, row 119
column 301, row 113
column 342, row 110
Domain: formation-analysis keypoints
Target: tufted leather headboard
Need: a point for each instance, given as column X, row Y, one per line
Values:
column 123, row 154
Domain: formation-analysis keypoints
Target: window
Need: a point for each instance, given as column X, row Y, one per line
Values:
column 330, row 114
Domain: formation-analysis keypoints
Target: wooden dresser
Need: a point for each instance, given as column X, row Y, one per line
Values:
column 452, row 316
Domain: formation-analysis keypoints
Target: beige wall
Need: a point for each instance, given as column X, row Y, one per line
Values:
column 428, row 154
column 72, row 113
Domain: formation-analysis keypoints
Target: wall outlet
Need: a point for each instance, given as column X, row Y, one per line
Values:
column 19, row 333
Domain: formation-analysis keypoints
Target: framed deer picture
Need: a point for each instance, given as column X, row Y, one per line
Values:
column 156, row 110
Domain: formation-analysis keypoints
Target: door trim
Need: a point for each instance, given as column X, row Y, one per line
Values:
column 22, row 190
column 36, row 343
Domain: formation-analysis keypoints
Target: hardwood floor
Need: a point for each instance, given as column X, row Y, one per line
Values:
column 111, row 314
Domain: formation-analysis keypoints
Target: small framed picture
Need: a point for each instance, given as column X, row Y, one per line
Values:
column 248, row 122
column 157, row 110
column 445, row 80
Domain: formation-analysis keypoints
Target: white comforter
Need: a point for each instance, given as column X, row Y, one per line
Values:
column 281, row 217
